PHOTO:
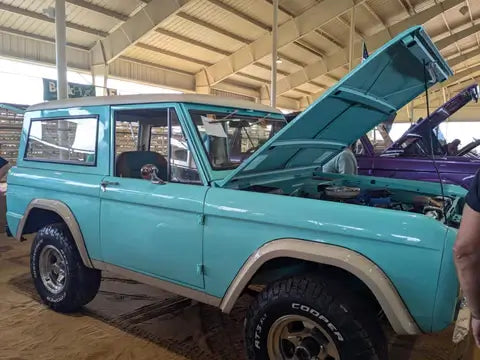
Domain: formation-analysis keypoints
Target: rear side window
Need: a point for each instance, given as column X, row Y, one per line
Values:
column 68, row 140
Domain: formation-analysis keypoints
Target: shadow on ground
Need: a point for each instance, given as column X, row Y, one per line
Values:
column 197, row 331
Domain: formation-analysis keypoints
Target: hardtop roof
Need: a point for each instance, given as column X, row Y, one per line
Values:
column 153, row 98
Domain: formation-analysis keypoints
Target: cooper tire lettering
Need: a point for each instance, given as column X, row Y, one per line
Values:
column 322, row 318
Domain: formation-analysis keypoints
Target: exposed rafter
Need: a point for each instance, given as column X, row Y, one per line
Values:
column 374, row 14
column 462, row 58
column 240, row 14
column 206, row 25
column 199, row 44
column 340, row 58
column 98, row 9
column 39, row 37
column 191, row 41
column 330, row 38
column 171, row 54
column 288, row 32
column 130, row 32
column 45, row 18
column 153, row 65
column 454, row 37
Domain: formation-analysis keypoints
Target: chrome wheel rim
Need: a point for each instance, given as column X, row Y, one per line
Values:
column 52, row 269
column 295, row 337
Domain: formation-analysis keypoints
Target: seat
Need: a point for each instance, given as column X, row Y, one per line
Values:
column 129, row 164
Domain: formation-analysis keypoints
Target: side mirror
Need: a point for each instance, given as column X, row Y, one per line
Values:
column 150, row 172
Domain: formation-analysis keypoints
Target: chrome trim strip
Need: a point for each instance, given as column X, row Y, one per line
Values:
column 162, row 284
column 351, row 261
column 64, row 212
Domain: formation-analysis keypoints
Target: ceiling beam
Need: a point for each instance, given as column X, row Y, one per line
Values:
column 171, row 54
column 461, row 58
column 340, row 58
column 40, row 38
column 151, row 75
column 239, row 14
column 199, row 44
column 115, row 44
column 468, row 72
column 98, row 9
column 288, row 32
column 449, row 40
column 330, row 39
column 191, row 41
column 374, row 14
column 206, row 25
column 154, row 65
column 45, row 18
column 40, row 51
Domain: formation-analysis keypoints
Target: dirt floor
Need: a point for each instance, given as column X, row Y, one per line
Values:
column 128, row 320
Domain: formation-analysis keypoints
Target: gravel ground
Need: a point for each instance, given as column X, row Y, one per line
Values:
column 129, row 320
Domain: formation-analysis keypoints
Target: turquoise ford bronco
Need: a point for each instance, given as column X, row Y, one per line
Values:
column 213, row 198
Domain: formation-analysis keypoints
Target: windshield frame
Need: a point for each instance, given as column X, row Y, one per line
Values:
column 213, row 173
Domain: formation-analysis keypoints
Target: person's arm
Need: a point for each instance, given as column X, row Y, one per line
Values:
column 347, row 163
column 467, row 258
column 467, row 255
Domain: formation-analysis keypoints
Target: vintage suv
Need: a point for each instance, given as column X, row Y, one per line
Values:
column 331, row 255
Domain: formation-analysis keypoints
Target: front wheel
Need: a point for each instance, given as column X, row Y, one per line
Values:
column 306, row 318
column 63, row 282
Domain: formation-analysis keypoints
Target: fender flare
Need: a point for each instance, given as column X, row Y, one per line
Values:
column 66, row 214
column 356, row 264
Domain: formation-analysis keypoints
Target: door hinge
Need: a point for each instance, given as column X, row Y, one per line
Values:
column 201, row 219
column 200, row 269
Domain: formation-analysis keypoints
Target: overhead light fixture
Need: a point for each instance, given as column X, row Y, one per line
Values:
column 279, row 61
column 463, row 10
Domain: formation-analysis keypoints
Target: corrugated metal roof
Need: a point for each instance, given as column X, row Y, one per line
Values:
column 205, row 32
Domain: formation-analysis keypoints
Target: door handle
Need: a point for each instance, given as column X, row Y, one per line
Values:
column 104, row 184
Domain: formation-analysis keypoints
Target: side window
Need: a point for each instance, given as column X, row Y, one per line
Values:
column 66, row 140
column 182, row 163
column 153, row 136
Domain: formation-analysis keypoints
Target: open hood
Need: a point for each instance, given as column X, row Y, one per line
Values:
column 424, row 127
column 381, row 85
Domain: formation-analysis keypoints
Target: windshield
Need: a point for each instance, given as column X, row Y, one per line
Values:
column 229, row 138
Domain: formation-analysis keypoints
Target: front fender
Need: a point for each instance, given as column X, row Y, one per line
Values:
column 365, row 270
column 407, row 247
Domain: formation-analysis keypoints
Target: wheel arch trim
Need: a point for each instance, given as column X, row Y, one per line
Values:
column 61, row 209
column 358, row 265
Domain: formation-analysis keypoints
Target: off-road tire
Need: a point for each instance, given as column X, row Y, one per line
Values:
column 81, row 283
column 348, row 318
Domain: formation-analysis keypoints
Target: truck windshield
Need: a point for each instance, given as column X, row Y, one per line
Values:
column 229, row 139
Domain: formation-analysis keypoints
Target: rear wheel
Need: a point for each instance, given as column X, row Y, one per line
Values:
column 307, row 318
column 63, row 282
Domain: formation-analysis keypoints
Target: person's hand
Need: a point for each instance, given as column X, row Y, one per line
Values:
column 476, row 330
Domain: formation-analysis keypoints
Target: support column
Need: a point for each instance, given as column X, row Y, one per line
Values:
column 61, row 56
column 100, row 78
column 352, row 38
column 202, row 83
column 265, row 95
column 273, row 86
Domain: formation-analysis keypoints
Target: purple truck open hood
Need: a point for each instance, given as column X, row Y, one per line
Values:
column 424, row 127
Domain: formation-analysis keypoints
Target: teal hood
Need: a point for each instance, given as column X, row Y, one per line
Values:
column 371, row 93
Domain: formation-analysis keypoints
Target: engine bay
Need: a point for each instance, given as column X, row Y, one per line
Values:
column 374, row 193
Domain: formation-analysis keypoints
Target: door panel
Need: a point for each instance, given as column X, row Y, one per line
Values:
column 152, row 228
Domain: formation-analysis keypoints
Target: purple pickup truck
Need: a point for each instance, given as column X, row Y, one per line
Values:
column 411, row 156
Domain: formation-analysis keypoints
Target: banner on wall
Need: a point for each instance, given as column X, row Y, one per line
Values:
column 74, row 90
